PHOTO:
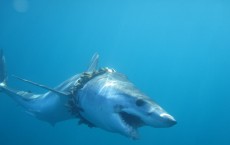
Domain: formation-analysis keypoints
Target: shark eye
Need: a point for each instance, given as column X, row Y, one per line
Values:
column 140, row 102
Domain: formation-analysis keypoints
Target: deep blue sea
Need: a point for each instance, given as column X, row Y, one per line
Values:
column 176, row 51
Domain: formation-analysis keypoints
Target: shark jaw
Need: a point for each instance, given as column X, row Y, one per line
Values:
column 144, row 112
column 131, row 124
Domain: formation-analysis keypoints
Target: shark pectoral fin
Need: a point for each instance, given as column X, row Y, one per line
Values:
column 42, row 86
column 86, row 122
column 93, row 63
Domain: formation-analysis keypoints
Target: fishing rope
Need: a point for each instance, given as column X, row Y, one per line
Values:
column 73, row 102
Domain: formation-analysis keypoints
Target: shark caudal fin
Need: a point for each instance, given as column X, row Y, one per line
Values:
column 3, row 75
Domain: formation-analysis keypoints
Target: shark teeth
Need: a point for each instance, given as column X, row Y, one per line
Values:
column 132, row 132
column 131, row 122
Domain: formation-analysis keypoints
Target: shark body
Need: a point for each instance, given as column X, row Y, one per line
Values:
column 100, row 98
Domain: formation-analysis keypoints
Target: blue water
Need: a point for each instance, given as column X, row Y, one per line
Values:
column 177, row 52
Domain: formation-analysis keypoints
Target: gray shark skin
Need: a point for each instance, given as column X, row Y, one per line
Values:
column 100, row 98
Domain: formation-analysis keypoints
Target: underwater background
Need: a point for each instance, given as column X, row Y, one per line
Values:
column 176, row 51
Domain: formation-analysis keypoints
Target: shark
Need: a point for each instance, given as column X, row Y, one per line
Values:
column 97, row 97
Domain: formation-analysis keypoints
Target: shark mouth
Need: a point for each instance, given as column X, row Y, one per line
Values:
column 132, row 122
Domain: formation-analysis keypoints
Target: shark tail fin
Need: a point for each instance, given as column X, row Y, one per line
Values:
column 3, row 75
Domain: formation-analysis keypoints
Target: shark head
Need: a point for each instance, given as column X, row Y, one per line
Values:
column 111, row 102
column 140, row 111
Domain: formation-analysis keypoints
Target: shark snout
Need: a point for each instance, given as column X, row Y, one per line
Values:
column 160, row 118
column 168, row 120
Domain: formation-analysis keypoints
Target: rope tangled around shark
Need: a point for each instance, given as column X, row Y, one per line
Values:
column 73, row 102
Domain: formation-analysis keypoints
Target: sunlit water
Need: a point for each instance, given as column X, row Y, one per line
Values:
column 177, row 52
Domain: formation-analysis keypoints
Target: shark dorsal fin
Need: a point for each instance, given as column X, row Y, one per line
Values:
column 42, row 86
column 93, row 63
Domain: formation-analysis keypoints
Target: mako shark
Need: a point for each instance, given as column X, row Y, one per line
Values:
column 100, row 98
